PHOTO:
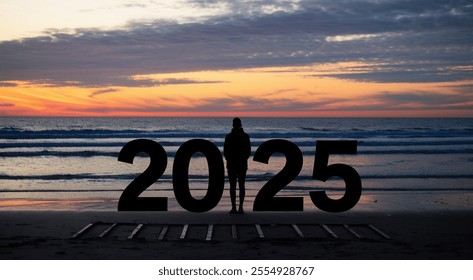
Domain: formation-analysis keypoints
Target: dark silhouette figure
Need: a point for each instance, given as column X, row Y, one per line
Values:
column 237, row 150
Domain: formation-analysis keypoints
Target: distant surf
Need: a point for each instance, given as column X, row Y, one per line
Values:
column 66, row 158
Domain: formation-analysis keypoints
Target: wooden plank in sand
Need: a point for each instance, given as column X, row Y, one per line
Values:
column 184, row 232
column 260, row 231
column 108, row 230
column 163, row 233
column 209, row 233
column 327, row 229
column 356, row 234
column 137, row 229
column 378, row 231
column 84, row 229
column 234, row 232
column 298, row 230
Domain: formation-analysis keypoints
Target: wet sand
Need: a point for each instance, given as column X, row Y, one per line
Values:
column 417, row 225
column 408, row 235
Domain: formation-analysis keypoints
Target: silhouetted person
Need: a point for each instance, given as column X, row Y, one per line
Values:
column 237, row 150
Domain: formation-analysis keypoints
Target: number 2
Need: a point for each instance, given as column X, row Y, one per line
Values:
column 265, row 199
column 129, row 200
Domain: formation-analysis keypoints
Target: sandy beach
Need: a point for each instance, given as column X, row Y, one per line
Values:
column 434, row 229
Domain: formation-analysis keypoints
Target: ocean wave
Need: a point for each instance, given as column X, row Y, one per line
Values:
column 255, row 143
column 249, row 178
column 286, row 189
column 304, row 132
column 387, row 189
column 87, row 154
column 46, row 153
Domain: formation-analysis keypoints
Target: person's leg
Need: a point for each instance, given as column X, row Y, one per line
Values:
column 241, row 186
column 232, row 177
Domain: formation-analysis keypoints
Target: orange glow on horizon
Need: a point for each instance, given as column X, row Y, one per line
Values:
column 259, row 92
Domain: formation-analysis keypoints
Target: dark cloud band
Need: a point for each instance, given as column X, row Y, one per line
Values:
column 421, row 35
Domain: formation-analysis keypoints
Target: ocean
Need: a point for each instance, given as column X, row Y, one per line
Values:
column 71, row 163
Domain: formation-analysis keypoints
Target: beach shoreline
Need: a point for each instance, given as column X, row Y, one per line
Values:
column 409, row 235
column 370, row 201
column 420, row 225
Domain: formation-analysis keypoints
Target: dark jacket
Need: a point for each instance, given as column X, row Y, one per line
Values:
column 237, row 149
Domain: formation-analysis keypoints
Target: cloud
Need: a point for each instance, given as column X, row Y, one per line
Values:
column 419, row 100
column 87, row 81
column 7, row 104
column 424, row 98
column 184, row 81
column 401, row 71
column 135, row 83
column 226, row 103
column 384, row 101
column 102, row 91
column 7, row 84
column 257, row 104
column 407, row 75
column 423, row 36
column 134, row 5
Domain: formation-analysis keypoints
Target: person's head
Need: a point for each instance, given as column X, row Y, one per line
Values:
column 236, row 123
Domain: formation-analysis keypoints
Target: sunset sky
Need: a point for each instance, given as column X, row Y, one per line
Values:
column 369, row 58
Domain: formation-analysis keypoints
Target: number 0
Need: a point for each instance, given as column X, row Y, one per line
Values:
column 180, row 175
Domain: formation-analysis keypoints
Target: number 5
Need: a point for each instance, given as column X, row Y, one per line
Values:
column 323, row 171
